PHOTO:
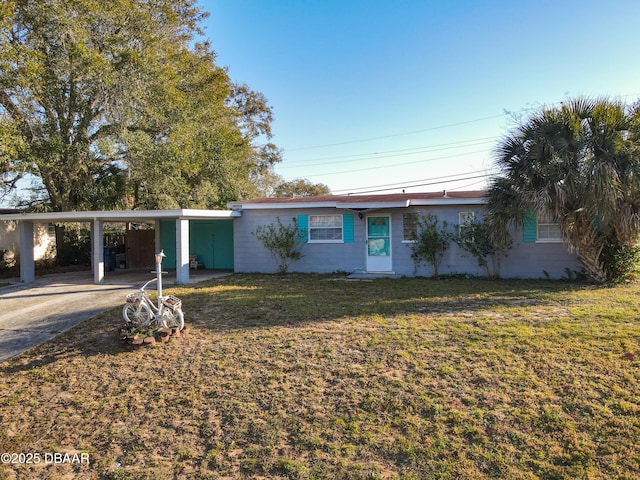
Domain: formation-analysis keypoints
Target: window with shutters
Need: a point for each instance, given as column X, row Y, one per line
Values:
column 540, row 228
column 325, row 228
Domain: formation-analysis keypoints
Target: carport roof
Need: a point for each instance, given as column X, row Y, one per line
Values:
column 121, row 215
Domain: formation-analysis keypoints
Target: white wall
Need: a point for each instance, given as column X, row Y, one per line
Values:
column 9, row 239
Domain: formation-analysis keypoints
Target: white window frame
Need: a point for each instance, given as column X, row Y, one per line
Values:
column 464, row 217
column 316, row 227
column 405, row 216
column 548, row 225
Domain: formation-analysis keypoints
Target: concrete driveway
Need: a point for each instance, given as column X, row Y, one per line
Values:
column 32, row 313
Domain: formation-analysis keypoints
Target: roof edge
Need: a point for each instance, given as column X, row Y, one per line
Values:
column 402, row 200
column 119, row 215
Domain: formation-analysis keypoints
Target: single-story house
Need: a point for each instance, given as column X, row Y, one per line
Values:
column 373, row 233
column 339, row 233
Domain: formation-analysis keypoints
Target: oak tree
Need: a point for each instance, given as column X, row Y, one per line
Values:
column 116, row 105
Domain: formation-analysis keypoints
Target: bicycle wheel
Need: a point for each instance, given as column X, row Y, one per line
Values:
column 137, row 314
column 172, row 318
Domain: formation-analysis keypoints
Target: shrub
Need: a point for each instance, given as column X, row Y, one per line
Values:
column 7, row 261
column 73, row 245
column 282, row 241
column 621, row 262
column 477, row 239
column 430, row 242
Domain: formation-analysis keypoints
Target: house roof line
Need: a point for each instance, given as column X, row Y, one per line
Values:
column 362, row 202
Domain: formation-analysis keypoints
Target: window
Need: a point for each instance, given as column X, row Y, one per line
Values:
column 540, row 228
column 465, row 218
column 325, row 228
column 409, row 227
column 548, row 230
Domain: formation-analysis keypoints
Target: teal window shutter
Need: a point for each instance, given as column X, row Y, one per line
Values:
column 347, row 228
column 303, row 228
column 530, row 227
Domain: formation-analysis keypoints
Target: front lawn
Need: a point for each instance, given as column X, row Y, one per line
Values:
column 318, row 377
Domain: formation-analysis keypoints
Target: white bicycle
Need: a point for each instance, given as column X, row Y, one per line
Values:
column 140, row 311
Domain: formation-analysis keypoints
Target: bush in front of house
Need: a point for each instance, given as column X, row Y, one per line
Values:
column 282, row 241
column 430, row 242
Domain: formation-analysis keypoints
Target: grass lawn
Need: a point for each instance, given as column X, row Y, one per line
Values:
column 316, row 377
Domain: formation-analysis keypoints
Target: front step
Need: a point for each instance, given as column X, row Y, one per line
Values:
column 369, row 275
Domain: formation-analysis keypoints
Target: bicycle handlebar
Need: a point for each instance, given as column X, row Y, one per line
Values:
column 150, row 281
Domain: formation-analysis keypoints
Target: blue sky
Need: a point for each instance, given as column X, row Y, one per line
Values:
column 384, row 95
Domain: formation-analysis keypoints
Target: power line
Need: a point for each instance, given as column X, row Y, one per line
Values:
column 464, row 187
column 404, row 184
column 397, row 134
column 394, row 164
column 425, row 184
column 385, row 156
column 395, row 186
column 440, row 127
column 379, row 155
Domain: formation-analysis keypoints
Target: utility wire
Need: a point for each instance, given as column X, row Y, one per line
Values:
column 464, row 187
column 461, row 143
column 394, row 165
column 440, row 127
column 397, row 134
column 425, row 184
column 406, row 184
column 376, row 156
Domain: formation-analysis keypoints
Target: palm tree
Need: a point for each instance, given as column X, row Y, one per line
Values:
column 580, row 165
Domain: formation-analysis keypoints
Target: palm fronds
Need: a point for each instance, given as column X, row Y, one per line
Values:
column 578, row 163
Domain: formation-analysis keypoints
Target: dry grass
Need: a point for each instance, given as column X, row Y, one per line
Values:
column 304, row 377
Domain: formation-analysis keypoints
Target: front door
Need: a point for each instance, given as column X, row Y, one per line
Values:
column 379, row 243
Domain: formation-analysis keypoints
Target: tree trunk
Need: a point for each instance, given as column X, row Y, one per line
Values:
column 593, row 267
column 583, row 238
column 59, row 242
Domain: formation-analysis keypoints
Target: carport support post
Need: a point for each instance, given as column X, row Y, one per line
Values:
column 27, row 265
column 157, row 236
column 97, row 251
column 182, row 251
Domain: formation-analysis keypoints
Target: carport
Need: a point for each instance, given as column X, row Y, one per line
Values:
column 170, row 220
